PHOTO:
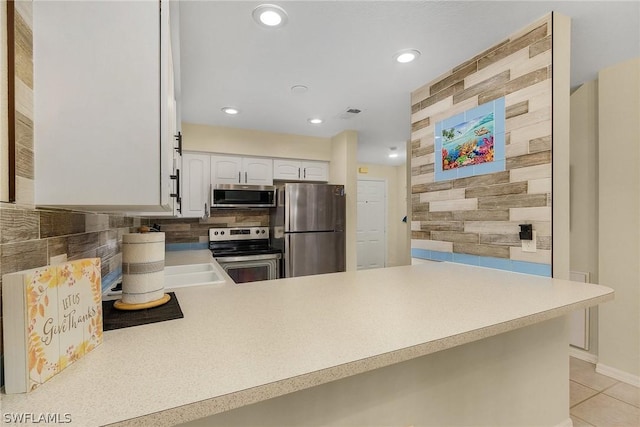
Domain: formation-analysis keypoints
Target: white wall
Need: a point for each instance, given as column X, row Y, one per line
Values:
column 619, row 218
column 217, row 139
column 561, row 145
column 584, row 191
column 584, row 180
column 398, row 252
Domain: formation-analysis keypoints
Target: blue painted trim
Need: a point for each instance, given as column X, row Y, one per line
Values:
column 466, row 259
column 485, row 261
column 497, row 263
column 186, row 246
column 420, row 253
column 110, row 279
column 532, row 268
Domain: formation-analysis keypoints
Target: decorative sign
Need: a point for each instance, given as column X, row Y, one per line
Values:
column 52, row 317
column 471, row 143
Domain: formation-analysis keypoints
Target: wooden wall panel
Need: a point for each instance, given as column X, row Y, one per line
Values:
column 480, row 215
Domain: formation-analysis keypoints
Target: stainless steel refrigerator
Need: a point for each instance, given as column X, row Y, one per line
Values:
column 307, row 224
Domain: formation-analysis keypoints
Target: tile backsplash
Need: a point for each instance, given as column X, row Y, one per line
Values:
column 196, row 230
column 30, row 237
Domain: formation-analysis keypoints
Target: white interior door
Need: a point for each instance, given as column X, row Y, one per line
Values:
column 371, row 243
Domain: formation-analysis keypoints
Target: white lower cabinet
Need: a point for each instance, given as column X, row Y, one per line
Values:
column 300, row 170
column 195, row 185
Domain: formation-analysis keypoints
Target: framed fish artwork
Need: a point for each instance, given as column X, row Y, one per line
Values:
column 471, row 143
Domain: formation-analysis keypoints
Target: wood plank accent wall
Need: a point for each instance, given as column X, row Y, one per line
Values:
column 30, row 237
column 480, row 215
column 22, row 119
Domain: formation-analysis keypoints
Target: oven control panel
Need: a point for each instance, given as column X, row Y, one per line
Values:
column 238, row 233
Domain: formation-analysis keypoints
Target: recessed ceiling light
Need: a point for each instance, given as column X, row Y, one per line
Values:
column 315, row 121
column 270, row 15
column 406, row 55
column 394, row 152
column 232, row 111
column 297, row 89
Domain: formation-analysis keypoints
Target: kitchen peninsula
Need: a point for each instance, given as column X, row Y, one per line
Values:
column 437, row 343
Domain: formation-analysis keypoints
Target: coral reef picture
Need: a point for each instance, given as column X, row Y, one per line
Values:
column 471, row 143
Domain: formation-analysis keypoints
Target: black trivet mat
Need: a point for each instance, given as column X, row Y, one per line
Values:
column 112, row 318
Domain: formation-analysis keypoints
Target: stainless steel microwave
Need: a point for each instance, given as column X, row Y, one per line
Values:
column 242, row 196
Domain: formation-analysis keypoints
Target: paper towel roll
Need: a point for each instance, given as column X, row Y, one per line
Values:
column 142, row 267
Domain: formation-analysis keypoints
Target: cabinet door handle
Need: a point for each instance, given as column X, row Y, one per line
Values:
column 206, row 211
column 178, row 138
column 245, row 177
column 177, row 193
column 298, row 173
column 305, row 173
column 239, row 177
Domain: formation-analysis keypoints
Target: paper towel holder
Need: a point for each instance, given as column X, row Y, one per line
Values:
column 141, row 306
column 142, row 271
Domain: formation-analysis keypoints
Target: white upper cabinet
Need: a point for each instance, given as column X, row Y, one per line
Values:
column 241, row 170
column 105, row 106
column 226, row 170
column 288, row 170
column 195, row 185
column 315, row 171
column 257, row 171
column 300, row 170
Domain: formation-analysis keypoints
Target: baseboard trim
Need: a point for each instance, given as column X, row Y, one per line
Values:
column 566, row 423
column 583, row 355
column 617, row 374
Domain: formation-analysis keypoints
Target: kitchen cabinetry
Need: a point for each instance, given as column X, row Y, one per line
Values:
column 105, row 106
column 241, row 170
column 300, row 170
column 195, row 184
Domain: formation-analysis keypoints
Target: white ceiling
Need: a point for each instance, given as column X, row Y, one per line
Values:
column 343, row 51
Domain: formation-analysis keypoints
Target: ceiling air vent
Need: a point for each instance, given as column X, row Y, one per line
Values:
column 349, row 113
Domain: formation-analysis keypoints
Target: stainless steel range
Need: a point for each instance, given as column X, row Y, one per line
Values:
column 245, row 254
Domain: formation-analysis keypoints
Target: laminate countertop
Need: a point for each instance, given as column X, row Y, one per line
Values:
column 241, row 344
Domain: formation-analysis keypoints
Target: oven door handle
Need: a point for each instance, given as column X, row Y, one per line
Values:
column 247, row 258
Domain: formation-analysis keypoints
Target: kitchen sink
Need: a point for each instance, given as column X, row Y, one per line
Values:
column 177, row 276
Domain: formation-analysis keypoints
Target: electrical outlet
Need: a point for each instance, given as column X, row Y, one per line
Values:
column 529, row 245
column 58, row 259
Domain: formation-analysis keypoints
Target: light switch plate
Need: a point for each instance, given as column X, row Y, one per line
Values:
column 529, row 245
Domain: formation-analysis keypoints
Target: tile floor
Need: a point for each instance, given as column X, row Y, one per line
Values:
column 600, row 401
